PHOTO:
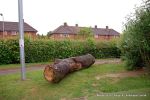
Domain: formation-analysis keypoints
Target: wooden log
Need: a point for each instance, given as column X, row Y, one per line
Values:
column 61, row 67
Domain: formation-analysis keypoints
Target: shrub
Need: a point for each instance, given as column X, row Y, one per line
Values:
column 135, row 43
column 41, row 50
column 9, row 51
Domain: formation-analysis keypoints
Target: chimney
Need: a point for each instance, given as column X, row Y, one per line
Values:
column 76, row 25
column 65, row 24
column 107, row 27
column 95, row 26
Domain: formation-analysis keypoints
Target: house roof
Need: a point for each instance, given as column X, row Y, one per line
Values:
column 104, row 31
column 13, row 26
column 63, row 29
column 67, row 29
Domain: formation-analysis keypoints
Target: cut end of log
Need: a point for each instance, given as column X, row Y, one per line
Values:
column 49, row 73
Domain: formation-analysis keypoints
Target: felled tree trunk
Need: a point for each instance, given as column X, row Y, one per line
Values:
column 61, row 67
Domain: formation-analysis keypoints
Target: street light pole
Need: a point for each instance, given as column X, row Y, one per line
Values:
column 21, row 40
column 3, row 23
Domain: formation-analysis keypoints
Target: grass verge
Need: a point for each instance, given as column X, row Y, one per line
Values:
column 76, row 85
column 13, row 66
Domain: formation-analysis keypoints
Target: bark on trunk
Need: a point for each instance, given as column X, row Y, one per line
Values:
column 61, row 67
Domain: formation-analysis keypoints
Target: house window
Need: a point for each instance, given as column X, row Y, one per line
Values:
column 61, row 35
column 96, row 36
column 115, row 36
column 13, row 33
column 5, row 33
column 66, row 35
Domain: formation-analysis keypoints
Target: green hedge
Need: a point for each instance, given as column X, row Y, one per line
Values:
column 45, row 50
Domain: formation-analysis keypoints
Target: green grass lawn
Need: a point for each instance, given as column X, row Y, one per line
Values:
column 80, row 84
column 11, row 66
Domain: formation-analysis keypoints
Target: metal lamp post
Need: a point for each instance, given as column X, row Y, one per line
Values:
column 21, row 40
column 3, row 23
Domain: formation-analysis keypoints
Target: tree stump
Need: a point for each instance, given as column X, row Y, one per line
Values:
column 61, row 67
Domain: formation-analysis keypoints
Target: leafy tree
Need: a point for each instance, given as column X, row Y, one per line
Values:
column 135, row 43
column 49, row 33
column 41, row 36
column 85, row 32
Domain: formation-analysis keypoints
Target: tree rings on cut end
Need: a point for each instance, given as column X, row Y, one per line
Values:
column 48, row 73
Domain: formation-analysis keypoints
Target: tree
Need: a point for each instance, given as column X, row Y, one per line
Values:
column 135, row 43
column 85, row 32
column 41, row 36
column 49, row 33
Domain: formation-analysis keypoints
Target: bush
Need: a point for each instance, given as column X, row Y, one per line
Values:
column 45, row 50
column 9, row 51
column 135, row 43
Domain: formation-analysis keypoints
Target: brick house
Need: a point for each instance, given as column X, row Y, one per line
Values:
column 65, row 31
column 11, row 29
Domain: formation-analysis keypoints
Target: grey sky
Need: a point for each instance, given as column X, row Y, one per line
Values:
column 46, row 15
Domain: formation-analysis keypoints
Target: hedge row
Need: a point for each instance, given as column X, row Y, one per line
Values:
column 45, row 50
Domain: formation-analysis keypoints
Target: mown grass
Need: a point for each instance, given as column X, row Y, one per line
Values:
column 78, row 84
column 12, row 66
column 136, row 94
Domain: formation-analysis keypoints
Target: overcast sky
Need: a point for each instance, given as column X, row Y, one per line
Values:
column 47, row 15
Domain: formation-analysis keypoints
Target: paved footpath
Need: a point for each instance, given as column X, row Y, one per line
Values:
column 41, row 67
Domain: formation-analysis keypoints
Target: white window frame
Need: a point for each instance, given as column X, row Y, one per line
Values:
column 96, row 36
column 5, row 33
column 66, row 35
column 14, row 33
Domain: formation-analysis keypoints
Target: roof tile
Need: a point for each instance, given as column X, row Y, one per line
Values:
column 74, row 30
column 13, row 26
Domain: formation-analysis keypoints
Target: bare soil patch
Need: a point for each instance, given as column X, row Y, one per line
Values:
column 123, row 74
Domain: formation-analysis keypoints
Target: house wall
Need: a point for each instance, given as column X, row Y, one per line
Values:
column 6, row 34
column 74, row 36
column 63, row 36
column 14, row 33
column 30, row 34
column 104, row 37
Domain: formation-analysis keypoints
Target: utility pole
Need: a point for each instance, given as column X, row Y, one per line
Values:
column 21, row 40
